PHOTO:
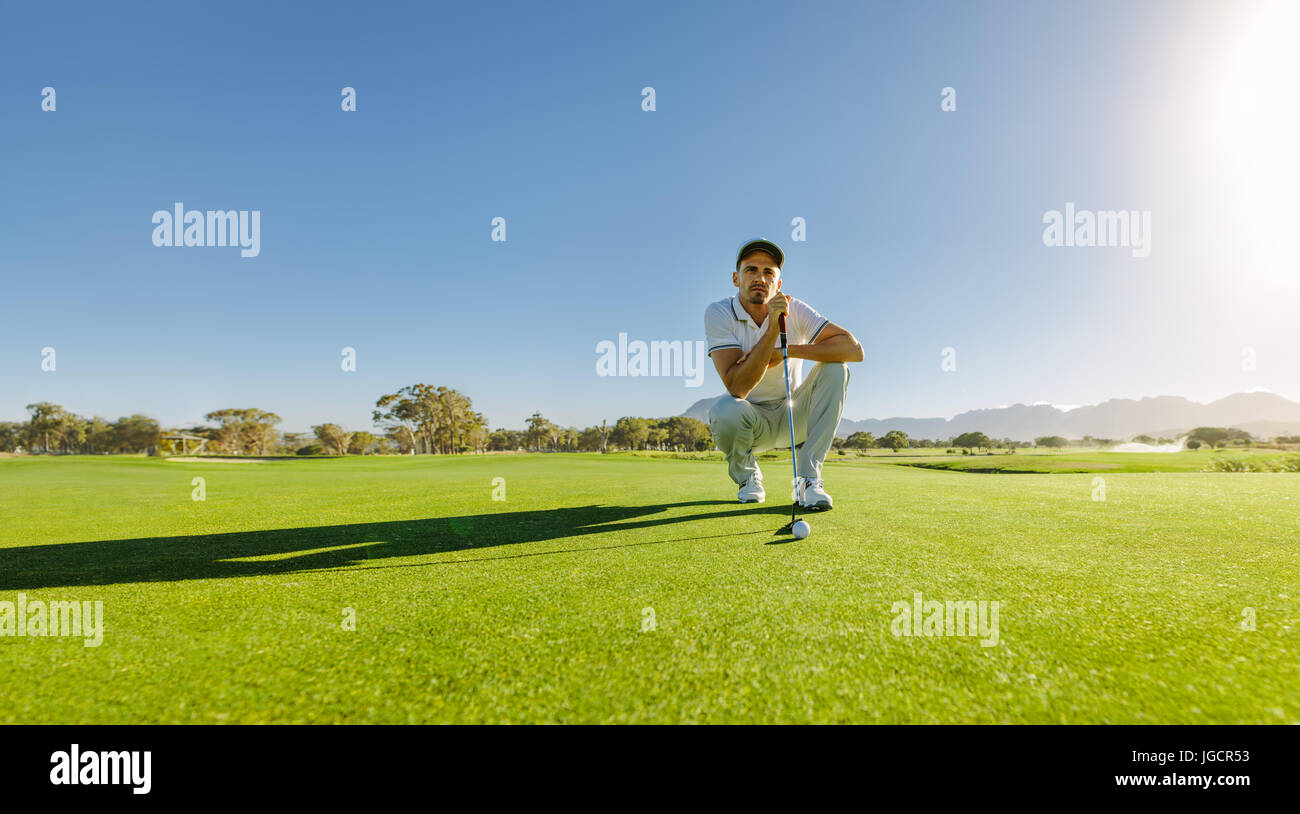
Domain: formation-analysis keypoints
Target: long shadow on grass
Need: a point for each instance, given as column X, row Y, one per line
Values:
column 280, row 551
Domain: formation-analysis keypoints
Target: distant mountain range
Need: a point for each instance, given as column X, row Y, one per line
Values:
column 1263, row 415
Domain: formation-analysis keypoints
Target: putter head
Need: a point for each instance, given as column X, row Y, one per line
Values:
column 788, row 528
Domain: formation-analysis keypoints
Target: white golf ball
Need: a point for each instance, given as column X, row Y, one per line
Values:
column 801, row 529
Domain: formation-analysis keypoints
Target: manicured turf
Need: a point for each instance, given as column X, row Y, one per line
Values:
column 532, row 608
column 1038, row 461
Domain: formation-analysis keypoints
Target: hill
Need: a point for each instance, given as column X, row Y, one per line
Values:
column 1261, row 414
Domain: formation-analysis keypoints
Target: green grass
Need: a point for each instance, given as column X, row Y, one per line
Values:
column 1081, row 461
column 468, row 609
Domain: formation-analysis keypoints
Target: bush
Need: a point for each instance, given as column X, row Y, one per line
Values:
column 311, row 449
column 1218, row 464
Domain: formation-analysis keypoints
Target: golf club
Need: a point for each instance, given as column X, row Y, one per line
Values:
column 789, row 409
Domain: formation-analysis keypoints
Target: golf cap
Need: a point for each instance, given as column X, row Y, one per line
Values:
column 760, row 244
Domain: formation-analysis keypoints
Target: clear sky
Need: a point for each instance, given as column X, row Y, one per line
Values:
column 924, row 226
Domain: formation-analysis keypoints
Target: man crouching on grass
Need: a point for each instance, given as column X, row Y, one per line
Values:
column 742, row 333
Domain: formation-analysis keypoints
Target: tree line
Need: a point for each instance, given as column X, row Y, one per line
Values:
column 51, row 428
column 417, row 419
column 1213, row 437
column 424, row 419
column 897, row 439
column 674, row 434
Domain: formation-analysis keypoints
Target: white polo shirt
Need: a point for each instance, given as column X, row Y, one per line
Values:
column 728, row 325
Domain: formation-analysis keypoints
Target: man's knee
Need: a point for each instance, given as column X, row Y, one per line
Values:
column 729, row 412
column 833, row 374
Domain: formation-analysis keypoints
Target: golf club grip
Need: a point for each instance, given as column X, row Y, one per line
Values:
column 780, row 323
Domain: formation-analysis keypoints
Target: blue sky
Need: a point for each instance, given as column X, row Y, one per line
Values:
column 924, row 227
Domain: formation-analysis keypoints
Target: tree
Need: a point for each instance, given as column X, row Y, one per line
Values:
column 687, row 434
column 506, row 440
column 261, row 430
column 333, row 437
column 46, row 425
column 404, row 415
column 894, row 439
column 100, row 436
column 630, row 432
column 539, row 433
column 291, row 442
column 590, row 440
column 476, row 432
column 568, row 439
column 453, row 419
column 11, row 437
column 968, row 440
column 136, row 433
column 244, row 431
column 402, row 440
column 74, row 432
column 433, row 419
column 1051, row 441
column 1211, row 436
column 361, row 442
column 860, row 440
column 655, row 435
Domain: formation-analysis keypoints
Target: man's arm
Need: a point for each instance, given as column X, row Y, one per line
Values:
column 834, row 344
column 741, row 372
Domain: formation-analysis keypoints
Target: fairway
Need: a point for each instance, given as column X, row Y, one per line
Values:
column 634, row 589
column 1104, row 463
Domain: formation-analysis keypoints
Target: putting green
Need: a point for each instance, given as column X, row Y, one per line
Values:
column 633, row 589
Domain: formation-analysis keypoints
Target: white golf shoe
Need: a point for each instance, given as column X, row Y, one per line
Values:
column 812, row 495
column 752, row 491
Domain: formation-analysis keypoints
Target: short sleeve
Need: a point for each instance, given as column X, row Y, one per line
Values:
column 808, row 323
column 720, row 328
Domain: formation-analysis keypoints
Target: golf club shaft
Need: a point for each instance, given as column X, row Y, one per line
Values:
column 789, row 410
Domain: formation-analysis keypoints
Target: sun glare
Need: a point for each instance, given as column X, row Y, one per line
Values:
column 1254, row 138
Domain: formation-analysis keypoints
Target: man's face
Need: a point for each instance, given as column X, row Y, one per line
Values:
column 758, row 278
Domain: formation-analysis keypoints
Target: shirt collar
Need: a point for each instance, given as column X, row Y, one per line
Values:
column 739, row 312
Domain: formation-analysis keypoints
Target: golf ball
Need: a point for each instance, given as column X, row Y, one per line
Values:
column 801, row 529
